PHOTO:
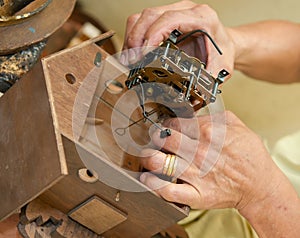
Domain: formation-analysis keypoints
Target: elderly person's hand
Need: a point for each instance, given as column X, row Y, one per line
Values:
column 154, row 25
column 220, row 163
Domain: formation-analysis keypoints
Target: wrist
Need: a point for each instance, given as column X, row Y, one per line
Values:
column 275, row 214
column 241, row 47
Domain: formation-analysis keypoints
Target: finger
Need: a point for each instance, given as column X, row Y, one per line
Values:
column 197, row 127
column 166, row 164
column 157, row 162
column 179, row 193
column 187, row 126
column 137, row 25
column 199, row 17
column 148, row 18
column 128, row 55
column 131, row 22
column 195, row 17
column 136, row 37
column 177, row 143
column 201, row 154
column 166, row 23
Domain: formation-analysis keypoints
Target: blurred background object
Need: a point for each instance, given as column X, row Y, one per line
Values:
column 25, row 26
column 79, row 27
column 30, row 29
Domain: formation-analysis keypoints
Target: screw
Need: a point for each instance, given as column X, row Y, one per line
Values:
column 149, row 92
column 97, row 60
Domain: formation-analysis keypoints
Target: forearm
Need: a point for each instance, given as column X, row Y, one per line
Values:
column 268, row 50
column 277, row 215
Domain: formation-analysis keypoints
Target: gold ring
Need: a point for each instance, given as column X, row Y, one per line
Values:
column 169, row 168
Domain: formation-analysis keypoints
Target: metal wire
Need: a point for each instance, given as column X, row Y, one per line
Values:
column 205, row 33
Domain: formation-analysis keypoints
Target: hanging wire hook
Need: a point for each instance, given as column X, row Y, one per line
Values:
column 206, row 34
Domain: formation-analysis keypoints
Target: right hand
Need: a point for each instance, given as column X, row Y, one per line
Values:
column 223, row 164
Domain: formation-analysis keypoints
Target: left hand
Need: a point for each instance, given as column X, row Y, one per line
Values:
column 154, row 25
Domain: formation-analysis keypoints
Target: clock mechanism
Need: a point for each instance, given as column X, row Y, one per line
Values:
column 177, row 83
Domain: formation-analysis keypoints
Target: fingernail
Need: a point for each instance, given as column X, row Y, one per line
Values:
column 122, row 59
column 131, row 56
column 143, row 177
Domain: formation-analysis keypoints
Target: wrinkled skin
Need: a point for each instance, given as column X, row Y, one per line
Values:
column 243, row 176
column 221, row 162
column 154, row 25
column 233, row 181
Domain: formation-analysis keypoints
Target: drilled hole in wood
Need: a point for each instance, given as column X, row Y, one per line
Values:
column 114, row 86
column 70, row 78
column 87, row 175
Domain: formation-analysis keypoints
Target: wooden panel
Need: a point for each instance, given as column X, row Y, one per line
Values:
column 29, row 157
column 97, row 215
column 72, row 102
column 147, row 213
column 78, row 62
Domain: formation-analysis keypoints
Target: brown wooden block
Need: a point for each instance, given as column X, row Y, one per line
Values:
column 97, row 215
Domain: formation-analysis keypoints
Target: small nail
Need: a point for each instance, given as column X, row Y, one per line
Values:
column 94, row 121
